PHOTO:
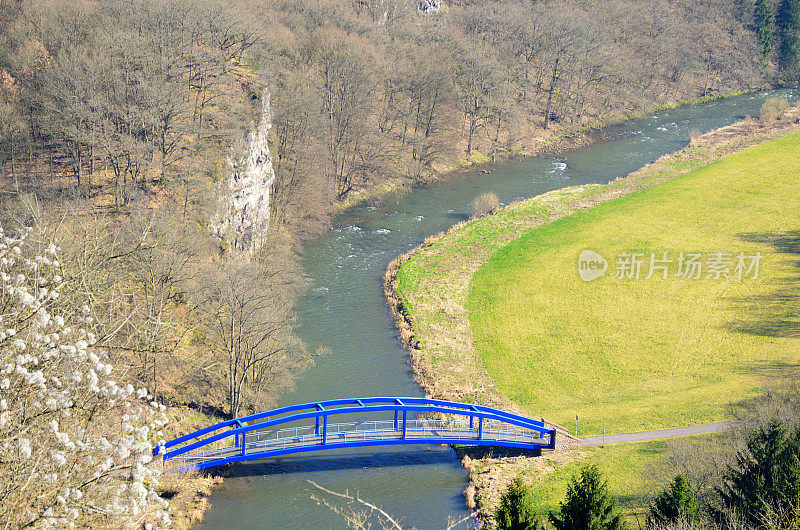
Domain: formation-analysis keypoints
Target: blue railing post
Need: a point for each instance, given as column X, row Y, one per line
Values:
column 236, row 436
column 405, row 429
column 471, row 422
column 480, row 428
column 316, row 424
column 324, row 429
column 244, row 442
column 395, row 420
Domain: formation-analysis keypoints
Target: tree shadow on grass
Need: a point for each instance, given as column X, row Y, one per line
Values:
column 776, row 313
column 779, row 395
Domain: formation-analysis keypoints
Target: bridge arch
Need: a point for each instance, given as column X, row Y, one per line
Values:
column 269, row 433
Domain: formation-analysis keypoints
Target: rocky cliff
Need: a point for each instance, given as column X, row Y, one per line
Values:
column 243, row 214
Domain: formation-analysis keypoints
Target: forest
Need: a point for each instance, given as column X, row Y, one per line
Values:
column 120, row 121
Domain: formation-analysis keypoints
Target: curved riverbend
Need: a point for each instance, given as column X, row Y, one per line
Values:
column 344, row 312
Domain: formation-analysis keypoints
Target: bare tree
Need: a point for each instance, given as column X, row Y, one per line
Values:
column 248, row 324
column 160, row 263
column 476, row 80
column 345, row 90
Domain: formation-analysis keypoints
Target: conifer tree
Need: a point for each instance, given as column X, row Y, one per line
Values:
column 788, row 21
column 677, row 503
column 516, row 508
column 588, row 504
column 766, row 476
column 763, row 19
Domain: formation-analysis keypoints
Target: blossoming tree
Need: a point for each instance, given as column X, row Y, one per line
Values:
column 75, row 445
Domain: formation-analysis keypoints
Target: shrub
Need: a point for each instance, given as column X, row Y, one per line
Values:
column 773, row 108
column 485, row 204
column 677, row 503
column 516, row 511
column 588, row 504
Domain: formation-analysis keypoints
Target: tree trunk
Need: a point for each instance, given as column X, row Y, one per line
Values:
column 431, row 114
column 13, row 173
column 88, row 179
column 77, row 165
column 473, row 125
column 550, row 93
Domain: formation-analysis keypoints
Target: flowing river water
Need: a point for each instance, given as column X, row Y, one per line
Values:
column 344, row 311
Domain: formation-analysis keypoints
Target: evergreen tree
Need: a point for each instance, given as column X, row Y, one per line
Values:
column 763, row 20
column 788, row 20
column 676, row 503
column 516, row 510
column 766, row 476
column 588, row 504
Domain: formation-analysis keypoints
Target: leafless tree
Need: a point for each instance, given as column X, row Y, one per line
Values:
column 160, row 262
column 248, row 324
column 476, row 79
column 345, row 86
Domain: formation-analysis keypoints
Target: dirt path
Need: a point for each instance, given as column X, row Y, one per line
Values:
column 653, row 435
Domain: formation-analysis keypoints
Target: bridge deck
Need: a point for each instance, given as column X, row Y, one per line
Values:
column 461, row 424
column 272, row 443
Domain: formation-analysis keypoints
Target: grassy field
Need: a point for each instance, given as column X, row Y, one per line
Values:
column 634, row 471
column 615, row 463
column 636, row 354
column 569, row 355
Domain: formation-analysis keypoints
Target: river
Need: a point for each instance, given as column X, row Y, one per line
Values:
column 344, row 311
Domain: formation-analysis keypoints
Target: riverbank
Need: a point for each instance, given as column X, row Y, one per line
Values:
column 342, row 312
column 187, row 493
column 427, row 288
column 553, row 142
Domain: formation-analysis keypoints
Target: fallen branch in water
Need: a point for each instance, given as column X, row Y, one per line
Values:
column 359, row 519
column 356, row 519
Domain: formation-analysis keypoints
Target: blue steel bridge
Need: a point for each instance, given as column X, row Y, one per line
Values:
column 374, row 421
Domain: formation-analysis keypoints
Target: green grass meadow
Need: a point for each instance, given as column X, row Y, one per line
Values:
column 615, row 463
column 636, row 354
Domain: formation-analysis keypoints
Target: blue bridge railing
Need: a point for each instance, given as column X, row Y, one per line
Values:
column 378, row 421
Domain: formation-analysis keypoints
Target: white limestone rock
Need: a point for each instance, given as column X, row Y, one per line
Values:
column 243, row 213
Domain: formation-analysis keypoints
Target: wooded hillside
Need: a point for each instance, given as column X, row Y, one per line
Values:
column 122, row 121
column 118, row 118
